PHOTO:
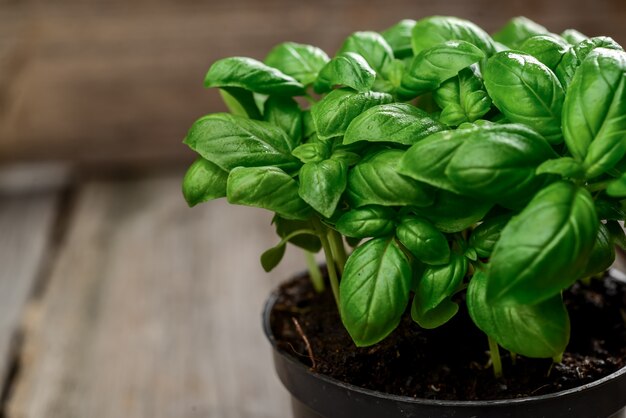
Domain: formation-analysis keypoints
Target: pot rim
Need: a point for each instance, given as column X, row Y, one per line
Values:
column 271, row 300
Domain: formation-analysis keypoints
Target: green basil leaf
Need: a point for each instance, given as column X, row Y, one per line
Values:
column 348, row 157
column 399, row 38
column 573, row 37
column 390, row 78
column 617, row 188
column 268, row 188
column 253, row 75
column 538, row 331
column 548, row 49
column 495, row 162
column 462, row 98
column 423, row 240
column 517, row 30
column 434, row 289
column 432, row 66
column 302, row 62
column 335, row 111
column 595, row 134
column 453, row 213
column 322, row 184
column 204, row 181
column 272, row 257
column 374, row 290
column 575, row 56
column 286, row 227
column 285, row 113
column 436, row 317
column 312, row 152
column 565, row 167
column 308, row 126
column 543, row 249
column 240, row 102
column 348, row 69
column 367, row 221
column 527, row 92
column 602, row 254
column 231, row 141
column 371, row 46
column 400, row 123
column 435, row 30
column 376, row 181
column 485, row 236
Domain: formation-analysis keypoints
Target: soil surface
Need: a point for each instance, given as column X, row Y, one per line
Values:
column 452, row 362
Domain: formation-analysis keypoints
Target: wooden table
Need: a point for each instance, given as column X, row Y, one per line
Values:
column 120, row 301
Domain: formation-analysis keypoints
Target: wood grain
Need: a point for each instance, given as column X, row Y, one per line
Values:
column 153, row 310
column 26, row 222
column 114, row 82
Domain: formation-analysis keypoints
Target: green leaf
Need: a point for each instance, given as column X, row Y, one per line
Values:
column 367, row 221
column 617, row 188
column 269, row 188
column 462, row 98
column 517, row 30
column 348, row 69
column 548, row 49
column 602, row 254
column 286, row 228
column 253, row 75
column 399, row 38
column 432, row 306
column 576, row 55
column 376, row 181
column 335, row 111
column 435, row 317
column 565, row 167
column 609, row 209
column 272, row 257
column 453, row 213
column 374, row 290
column 284, row 113
column 495, row 162
column 231, row 141
column 573, row 37
column 312, row 152
column 527, row 92
column 400, row 123
column 538, row 331
column 434, row 65
column 240, row 102
column 423, row 240
column 595, row 133
column 302, row 62
column 322, row 184
column 543, row 249
column 371, row 46
column 485, row 236
column 435, row 30
column 204, row 181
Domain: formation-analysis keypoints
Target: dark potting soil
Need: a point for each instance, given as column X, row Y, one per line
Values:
column 452, row 362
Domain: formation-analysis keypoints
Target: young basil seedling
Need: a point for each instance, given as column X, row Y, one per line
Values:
column 437, row 151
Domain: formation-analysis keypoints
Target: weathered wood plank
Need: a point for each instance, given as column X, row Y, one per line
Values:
column 118, row 82
column 153, row 310
column 26, row 223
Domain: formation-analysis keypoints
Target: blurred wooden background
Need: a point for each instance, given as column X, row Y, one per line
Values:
column 116, row 300
column 119, row 82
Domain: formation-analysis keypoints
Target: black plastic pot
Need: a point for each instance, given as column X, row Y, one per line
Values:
column 317, row 396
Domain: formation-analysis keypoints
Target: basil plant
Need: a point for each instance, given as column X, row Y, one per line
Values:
column 458, row 165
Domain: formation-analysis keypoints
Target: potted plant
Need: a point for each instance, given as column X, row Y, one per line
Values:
column 478, row 178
